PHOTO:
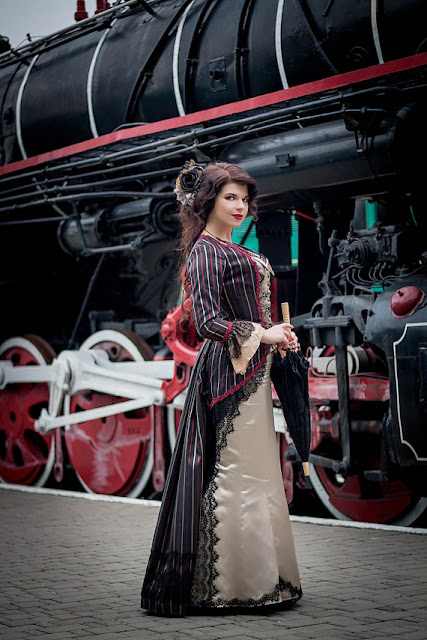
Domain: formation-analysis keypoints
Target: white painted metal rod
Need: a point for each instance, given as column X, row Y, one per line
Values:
column 163, row 369
column 45, row 423
column 9, row 374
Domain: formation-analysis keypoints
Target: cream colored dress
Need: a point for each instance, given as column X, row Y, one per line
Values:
column 245, row 555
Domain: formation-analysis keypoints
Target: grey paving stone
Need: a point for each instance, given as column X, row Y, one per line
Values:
column 15, row 635
column 414, row 635
column 248, row 637
column 58, row 635
column 145, row 635
column 72, row 569
column 267, row 634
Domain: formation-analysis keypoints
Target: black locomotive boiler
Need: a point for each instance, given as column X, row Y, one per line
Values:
column 324, row 104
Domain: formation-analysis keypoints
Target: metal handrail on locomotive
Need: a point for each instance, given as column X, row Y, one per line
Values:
column 324, row 104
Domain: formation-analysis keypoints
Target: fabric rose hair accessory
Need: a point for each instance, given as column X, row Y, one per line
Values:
column 188, row 182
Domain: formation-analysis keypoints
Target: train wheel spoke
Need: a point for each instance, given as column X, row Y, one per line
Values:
column 112, row 455
column 26, row 457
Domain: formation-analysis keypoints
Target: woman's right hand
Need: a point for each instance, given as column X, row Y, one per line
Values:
column 278, row 334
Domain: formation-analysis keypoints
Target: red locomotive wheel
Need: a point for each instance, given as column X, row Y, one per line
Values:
column 112, row 455
column 26, row 457
column 355, row 498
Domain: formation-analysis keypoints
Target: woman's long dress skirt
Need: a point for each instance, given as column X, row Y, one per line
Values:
column 245, row 554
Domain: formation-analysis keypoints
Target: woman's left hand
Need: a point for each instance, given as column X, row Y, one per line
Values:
column 292, row 342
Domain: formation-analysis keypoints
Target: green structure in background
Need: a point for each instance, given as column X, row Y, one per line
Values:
column 371, row 217
column 294, row 239
column 246, row 234
column 370, row 213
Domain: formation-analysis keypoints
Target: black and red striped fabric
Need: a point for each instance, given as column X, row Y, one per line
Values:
column 225, row 285
column 167, row 582
column 225, row 288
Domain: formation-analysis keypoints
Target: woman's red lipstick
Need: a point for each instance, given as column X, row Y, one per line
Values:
column 237, row 216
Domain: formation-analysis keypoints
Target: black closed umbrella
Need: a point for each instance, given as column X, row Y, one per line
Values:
column 289, row 374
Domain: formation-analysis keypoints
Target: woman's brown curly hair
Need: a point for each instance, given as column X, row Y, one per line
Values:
column 194, row 216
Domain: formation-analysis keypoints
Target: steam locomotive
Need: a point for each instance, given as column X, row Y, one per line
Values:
column 324, row 104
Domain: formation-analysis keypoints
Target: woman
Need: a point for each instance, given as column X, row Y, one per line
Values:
column 223, row 536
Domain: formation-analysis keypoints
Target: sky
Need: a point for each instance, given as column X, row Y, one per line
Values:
column 37, row 17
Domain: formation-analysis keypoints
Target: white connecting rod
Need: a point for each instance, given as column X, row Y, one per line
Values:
column 47, row 423
column 98, row 368
column 91, row 370
column 9, row 374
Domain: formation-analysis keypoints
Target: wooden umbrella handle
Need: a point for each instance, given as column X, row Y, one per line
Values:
column 285, row 312
column 286, row 318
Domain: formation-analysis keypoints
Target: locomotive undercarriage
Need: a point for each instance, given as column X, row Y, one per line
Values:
column 114, row 212
column 361, row 460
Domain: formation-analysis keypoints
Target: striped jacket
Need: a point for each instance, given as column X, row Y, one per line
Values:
column 225, row 289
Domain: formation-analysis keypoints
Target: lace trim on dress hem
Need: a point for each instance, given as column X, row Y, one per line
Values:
column 224, row 415
column 275, row 597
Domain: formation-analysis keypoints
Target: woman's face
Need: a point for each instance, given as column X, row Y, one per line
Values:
column 231, row 206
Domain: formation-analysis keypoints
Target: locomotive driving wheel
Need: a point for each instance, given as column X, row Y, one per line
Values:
column 355, row 498
column 26, row 457
column 112, row 455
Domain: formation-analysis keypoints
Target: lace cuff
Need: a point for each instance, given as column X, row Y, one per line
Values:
column 243, row 341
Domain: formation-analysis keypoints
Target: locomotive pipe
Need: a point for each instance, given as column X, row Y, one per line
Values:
column 297, row 167
column 323, row 162
column 92, row 282
column 314, row 141
column 76, row 235
column 70, row 28
column 32, row 175
column 12, row 223
column 266, row 120
column 94, row 195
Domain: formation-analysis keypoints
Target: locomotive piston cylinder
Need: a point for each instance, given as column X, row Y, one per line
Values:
column 76, row 234
column 105, row 228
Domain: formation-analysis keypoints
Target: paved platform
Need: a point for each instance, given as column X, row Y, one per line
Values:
column 72, row 568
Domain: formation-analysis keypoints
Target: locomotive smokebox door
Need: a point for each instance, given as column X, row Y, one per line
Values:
column 404, row 341
column 410, row 369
